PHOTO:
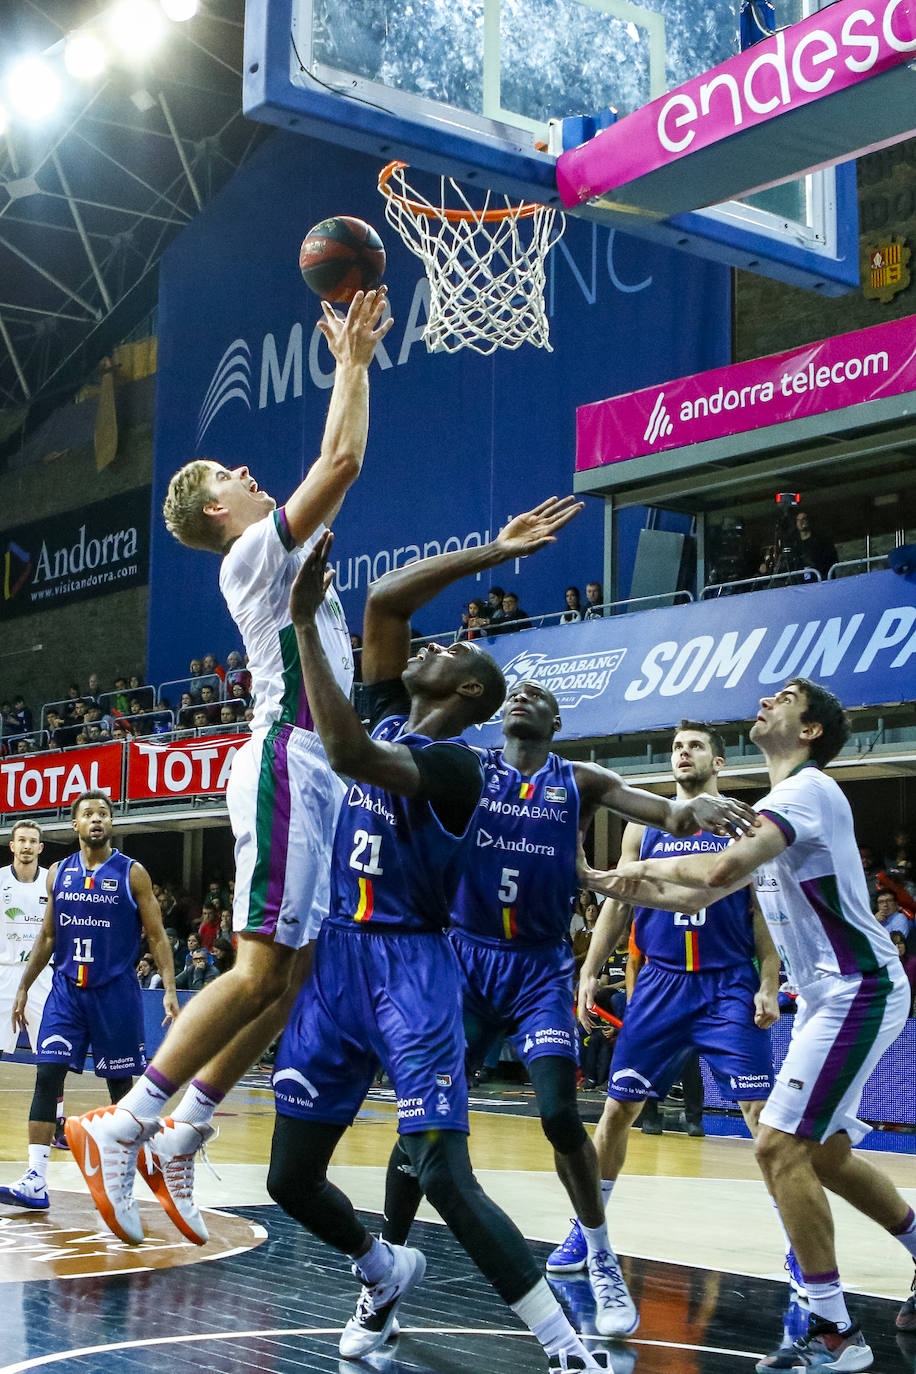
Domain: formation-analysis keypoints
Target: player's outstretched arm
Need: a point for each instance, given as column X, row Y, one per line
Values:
column 352, row 340
column 613, row 919
column 151, row 915
column 766, row 998
column 40, row 956
column 720, row 815
column 349, row 748
column 394, row 598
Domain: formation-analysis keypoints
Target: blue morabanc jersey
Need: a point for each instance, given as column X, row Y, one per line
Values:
column 394, row 865
column 96, row 922
column 520, row 884
column 719, row 936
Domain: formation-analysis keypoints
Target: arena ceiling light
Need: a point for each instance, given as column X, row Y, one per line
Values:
column 33, row 88
column 180, row 10
column 84, row 56
column 137, row 27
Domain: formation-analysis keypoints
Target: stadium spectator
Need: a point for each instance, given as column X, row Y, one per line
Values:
column 594, row 597
column 94, row 687
column 475, row 620
column 209, row 700
column 58, row 735
column 237, row 673
column 810, row 549
column 198, row 972
column 201, row 679
column 210, row 665
column 223, row 954
column 21, row 715
column 573, row 612
column 899, row 856
column 120, row 702
column 889, row 914
column 495, row 601
column 511, row 617
column 147, row 973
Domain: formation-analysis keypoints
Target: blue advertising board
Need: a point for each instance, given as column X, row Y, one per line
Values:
column 457, row 443
column 714, row 660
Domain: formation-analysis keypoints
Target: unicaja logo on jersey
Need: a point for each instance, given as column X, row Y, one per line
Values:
column 231, row 381
column 660, row 423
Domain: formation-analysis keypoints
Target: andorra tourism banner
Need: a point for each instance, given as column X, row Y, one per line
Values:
column 457, row 443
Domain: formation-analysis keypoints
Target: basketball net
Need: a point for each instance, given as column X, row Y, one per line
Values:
column 485, row 267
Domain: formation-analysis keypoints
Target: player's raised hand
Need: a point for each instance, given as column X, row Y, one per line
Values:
column 525, row 534
column 352, row 337
column 312, row 582
column 723, row 815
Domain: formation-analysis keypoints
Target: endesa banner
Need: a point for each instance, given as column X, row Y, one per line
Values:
column 867, row 365
column 190, row 768
column 716, row 659
column 37, row 782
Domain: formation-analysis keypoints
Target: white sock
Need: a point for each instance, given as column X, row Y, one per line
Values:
column 198, row 1104
column 546, row 1320
column 906, row 1233
column 38, row 1160
column 607, row 1187
column 596, row 1238
column 782, row 1226
column 826, row 1298
column 376, row 1264
column 145, row 1099
column 60, row 1108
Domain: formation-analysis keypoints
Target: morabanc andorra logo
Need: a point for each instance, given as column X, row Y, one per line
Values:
column 885, row 267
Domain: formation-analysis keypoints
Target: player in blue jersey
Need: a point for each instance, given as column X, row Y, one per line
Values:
column 510, row 930
column 99, row 904
column 699, row 990
column 385, row 986
column 853, row 1000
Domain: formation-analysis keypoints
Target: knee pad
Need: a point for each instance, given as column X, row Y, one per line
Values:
column 49, row 1085
column 563, row 1128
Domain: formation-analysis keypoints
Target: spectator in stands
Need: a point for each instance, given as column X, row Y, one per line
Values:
column 210, row 666
column 209, row 700
column 25, row 745
column 512, row 618
column 138, row 720
column 94, row 688
column 186, row 709
column 227, row 717
column 73, row 695
column 242, row 699
column 199, row 972
column 237, row 673
column 573, row 611
column 201, row 720
column 120, row 701
column 178, row 946
column 249, row 715
column 223, row 954
column 476, row 620
column 9, row 725
column 890, row 915
column 900, row 856
column 200, row 678
column 495, row 601
column 58, row 735
column 195, row 670
column 594, row 597
column 208, row 929
column 21, row 715
column 147, row 972
column 810, row 549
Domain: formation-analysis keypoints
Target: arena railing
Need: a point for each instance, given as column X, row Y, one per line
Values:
column 760, row 583
column 867, row 562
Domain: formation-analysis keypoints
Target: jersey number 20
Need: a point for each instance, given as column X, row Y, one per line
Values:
column 698, row 918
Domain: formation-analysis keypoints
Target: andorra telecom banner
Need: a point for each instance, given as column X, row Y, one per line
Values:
column 457, row 443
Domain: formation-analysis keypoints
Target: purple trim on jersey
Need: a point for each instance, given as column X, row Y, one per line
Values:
column 159, row 1080
column 279, row 832
column 281, row 521
column 840, row 1050
column 782, row 825
column 905, row 1225
column 303, row 711
column 836, row 929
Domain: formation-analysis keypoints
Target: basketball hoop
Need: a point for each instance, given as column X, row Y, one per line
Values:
column 485, row 267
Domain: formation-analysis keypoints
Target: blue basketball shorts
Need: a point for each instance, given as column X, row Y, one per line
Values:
column 524, row 992
column 671, row 1014
column 108, row 1017
column 391, row 999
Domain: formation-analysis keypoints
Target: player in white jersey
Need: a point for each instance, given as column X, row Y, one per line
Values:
column 283, row 796
column 23, row 900
column 853, row 1000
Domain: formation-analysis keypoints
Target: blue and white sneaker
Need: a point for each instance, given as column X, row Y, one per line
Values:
column 823, row 1348
column 796, row 1277
column 30, row 1191
column 571, row 1256
column 615, row 1310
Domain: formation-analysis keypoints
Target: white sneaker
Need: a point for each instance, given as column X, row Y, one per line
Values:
column 376, row 1311
column 565, row 1363
column 166, row 1164
column 30, row 1191
column 615, row 1310
column 105, row 1144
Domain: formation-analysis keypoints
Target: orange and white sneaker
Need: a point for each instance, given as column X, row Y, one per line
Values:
column 167, row 1165
column 105, row 1144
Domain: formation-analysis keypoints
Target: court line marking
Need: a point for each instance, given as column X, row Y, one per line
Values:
column 41, row 1361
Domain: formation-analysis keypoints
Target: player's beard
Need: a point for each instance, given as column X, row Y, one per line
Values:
column 696, row 784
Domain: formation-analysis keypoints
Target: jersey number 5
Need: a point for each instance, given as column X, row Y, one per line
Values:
column 695, row 919
column 363, row 841
column 508, row 887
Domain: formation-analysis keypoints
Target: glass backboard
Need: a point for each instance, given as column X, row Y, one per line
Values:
column 468, row 87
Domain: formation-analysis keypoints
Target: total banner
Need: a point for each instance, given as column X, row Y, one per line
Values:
column 76, row 555
column 37, row 782
column 846, row 370
column 714, row 660
column 190, row 768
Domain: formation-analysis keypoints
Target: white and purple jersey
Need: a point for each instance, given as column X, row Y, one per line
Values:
column 521, row 882
column 96, row 922
column 255, row 578
column 813, row 895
